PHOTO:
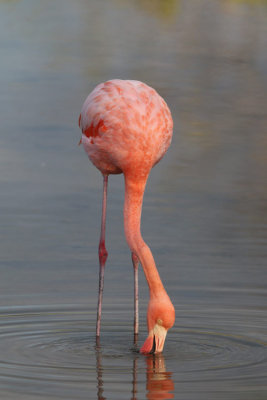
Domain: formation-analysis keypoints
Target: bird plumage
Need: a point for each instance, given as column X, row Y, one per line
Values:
column 127, row 128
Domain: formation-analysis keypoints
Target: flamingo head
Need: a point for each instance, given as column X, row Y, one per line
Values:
column 160, row 318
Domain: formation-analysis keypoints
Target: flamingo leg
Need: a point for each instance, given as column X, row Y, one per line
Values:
column 103, row 254
column 135, row 261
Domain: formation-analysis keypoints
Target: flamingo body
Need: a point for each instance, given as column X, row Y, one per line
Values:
column 127, row 128
column 126, row 125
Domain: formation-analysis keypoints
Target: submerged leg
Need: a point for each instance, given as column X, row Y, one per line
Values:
column 135, row 261
column 103, row 255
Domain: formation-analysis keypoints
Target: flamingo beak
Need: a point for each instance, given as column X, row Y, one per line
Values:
column 155, row 340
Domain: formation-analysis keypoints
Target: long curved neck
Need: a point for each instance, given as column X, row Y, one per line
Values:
column 134, row 191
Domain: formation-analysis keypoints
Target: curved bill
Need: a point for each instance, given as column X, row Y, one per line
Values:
column 155, row 340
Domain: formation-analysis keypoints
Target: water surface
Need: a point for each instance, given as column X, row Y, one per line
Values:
column 204, row 213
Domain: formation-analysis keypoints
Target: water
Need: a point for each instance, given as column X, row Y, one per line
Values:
column 52, row 352
column 204, row 214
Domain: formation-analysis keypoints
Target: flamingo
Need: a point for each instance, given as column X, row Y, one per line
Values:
column 127, row 128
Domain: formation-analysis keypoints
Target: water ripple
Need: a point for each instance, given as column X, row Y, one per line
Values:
column 53, row 350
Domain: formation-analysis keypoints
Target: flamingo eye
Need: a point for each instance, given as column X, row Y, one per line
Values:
column 159, row 321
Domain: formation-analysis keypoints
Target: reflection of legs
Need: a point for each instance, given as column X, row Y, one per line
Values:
column 103, row 255
column 134, row 390
column 99, row 370
column 136, row 317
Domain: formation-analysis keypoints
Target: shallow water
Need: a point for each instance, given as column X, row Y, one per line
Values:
column 204, row 213
column 52, row 352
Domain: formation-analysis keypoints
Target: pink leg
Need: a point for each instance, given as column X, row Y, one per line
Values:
column 103, row 254
column 135, row 261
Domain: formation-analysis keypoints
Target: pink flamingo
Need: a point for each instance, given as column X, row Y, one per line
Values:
column 127, row 128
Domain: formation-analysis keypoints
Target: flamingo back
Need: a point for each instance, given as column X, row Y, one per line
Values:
column 126, row 126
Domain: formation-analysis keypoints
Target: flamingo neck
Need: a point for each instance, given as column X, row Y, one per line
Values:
column 134, row 192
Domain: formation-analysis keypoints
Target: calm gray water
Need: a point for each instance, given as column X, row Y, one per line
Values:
column 204, row 214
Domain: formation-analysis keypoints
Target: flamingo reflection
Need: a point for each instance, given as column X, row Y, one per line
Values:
column 99, row 369
column 159, row 383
